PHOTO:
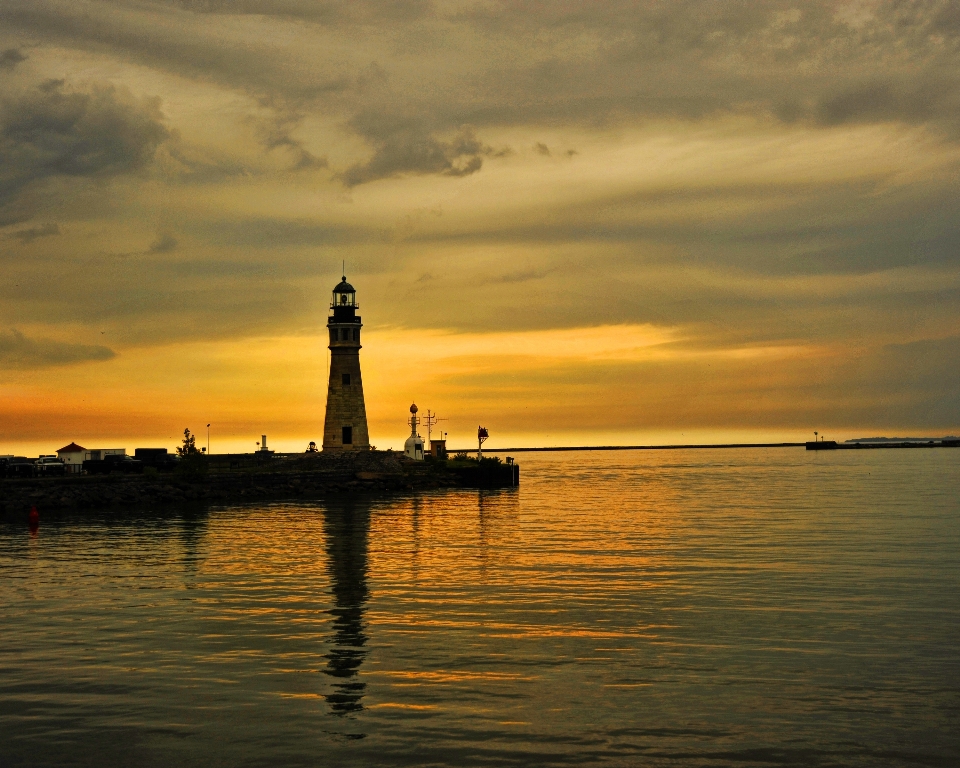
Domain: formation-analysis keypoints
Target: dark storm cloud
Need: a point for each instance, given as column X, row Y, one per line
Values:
column 20, row 352
column 492, row 64
column 404, row 77
column 413, row 151
column 50, row 131
column 10, row 57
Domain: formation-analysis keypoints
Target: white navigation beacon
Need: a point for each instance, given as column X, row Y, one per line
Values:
column 413, row 447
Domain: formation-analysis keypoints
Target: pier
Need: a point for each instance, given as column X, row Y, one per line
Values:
column 239, row 478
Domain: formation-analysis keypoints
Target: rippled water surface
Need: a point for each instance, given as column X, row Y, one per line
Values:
column 676, row 608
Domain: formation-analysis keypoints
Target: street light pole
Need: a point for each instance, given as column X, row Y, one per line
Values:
column 208, row 439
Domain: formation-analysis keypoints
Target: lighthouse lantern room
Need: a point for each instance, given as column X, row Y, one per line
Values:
column 345, row 425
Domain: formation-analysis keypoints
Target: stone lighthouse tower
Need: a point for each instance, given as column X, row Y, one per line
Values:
column 345, row 426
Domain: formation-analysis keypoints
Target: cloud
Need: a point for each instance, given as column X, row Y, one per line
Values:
column 19, row 352
column 27, row 236
column 10, row 57
column 327, row 11
column 276, row 134
column 164, row 243
column 413, row 152
column 767, row 173
column 50, row 131
column 523, row 276
column 930, row 98
column 494, row 64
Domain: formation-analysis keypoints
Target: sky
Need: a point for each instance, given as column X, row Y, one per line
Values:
column 572, row 222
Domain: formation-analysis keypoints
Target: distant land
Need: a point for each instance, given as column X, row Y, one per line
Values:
column 629, row 447
column 873, row 440
column 900, row 439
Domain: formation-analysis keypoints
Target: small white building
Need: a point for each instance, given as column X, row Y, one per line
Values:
column 72, row 456
column 413, row 447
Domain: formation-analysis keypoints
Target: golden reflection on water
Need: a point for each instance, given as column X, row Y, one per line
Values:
column 612, row 608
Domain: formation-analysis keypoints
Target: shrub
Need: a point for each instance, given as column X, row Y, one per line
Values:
column 192, row 465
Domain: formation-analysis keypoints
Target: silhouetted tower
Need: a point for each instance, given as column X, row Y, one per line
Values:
column 345, row 426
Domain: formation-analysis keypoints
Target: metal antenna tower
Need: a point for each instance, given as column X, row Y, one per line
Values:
column 430, row 420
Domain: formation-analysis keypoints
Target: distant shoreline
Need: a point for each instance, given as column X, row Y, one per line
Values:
column 810, row 446
column 629, row 447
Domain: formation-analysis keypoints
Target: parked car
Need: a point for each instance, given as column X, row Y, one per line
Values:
column 113, row 463
column 49, row 466
column 20, row 466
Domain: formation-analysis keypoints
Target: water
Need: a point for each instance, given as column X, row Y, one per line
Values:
column 685, row 608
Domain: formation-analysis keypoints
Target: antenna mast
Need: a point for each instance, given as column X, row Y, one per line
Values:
column 430, row 421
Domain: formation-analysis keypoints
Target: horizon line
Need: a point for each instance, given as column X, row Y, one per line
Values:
column 631, row 447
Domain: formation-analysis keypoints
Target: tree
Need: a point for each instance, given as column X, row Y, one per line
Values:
column 189, row 446
column 192, row 462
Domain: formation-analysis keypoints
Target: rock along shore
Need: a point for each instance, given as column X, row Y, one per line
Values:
column 238, row 479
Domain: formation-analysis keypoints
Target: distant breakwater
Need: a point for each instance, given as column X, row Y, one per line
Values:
column 830, row 445
column 247, row 479
column 633, row 447
column 824, row 445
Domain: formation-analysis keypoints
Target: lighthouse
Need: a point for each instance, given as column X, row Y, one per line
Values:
column 345, row 425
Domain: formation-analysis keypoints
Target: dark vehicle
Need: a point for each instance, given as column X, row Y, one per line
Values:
column 158, row 458
column 113, row 463
column 50, row 466
column 20, row 466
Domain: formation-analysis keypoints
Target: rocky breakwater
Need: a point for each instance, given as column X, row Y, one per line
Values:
column 221, row 480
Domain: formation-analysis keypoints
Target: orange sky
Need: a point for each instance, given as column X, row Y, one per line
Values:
column 602, row 223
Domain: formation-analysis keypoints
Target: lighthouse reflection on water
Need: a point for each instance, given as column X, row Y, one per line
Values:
column 346, row 527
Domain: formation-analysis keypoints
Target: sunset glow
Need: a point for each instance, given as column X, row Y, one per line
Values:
column 573, row 223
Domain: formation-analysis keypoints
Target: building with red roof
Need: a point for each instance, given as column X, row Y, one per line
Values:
column 72, row 456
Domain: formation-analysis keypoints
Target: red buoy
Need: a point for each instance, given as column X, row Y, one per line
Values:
column 34, row 518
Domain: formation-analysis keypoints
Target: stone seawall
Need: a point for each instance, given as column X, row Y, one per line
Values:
column 304, row 476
